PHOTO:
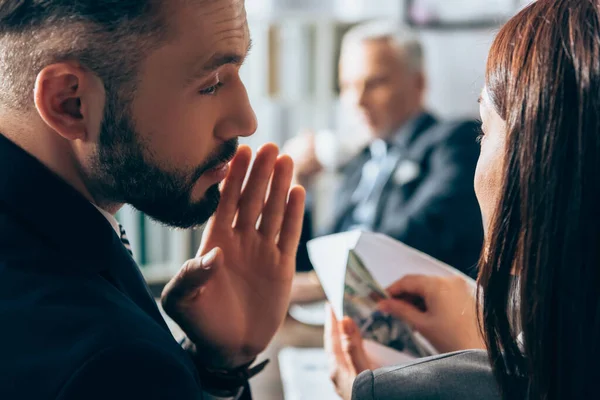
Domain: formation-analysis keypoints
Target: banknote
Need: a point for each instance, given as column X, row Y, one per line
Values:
column 362, row 293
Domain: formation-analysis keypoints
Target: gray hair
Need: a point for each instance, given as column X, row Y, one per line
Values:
column 405, row 40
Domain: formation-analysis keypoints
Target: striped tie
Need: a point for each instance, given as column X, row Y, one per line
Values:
column 124, row 240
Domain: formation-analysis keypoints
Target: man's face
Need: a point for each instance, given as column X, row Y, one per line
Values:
column 165, row 151
column 378, row 83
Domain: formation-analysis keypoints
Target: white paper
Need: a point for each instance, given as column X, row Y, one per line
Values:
column 387, row 259
column 305, row 371
column 305, row 374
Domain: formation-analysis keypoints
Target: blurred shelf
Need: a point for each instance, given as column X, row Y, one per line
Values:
column 459, row 26
column 309, row 17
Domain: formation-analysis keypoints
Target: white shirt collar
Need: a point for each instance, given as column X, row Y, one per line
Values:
column 111, row 219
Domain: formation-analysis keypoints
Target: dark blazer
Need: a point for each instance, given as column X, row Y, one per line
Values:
column 77, row 319
column 454, row 376
column 432, row 206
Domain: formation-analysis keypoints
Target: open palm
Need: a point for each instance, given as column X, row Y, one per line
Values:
column 255, row 232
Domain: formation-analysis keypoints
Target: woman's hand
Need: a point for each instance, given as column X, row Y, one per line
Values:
column 347, row 356
column 443, row 310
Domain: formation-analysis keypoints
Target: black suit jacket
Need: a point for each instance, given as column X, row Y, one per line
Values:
column 434, row 208
column 77, row 319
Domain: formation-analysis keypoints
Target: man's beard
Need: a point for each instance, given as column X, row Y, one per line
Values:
column 122, row 171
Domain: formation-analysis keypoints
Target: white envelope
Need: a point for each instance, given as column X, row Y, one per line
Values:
column 387, row 260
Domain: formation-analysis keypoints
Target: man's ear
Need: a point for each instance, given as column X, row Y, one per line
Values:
column 62, row 96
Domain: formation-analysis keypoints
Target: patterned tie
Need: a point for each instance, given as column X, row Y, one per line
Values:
column 124, row 240
column 365, row 210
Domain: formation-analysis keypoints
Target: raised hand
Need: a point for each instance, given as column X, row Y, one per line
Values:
column 249, row 250
column 302, row 149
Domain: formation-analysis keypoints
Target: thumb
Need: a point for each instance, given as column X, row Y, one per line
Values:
column 352, row 346
column 192, row 277
column 404, row 311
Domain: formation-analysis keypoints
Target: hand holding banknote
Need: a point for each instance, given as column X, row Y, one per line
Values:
column 362, row 294
column 442, row 309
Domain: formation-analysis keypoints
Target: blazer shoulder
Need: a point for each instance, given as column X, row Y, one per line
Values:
column 458, row 375
column 85, row 309
column 458, row 136
column 460, row 130
column 82, row 335
column 356, row 161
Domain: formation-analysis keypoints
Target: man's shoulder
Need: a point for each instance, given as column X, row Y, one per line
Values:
column 449, row 133
column 46, row 292
column 66, row 299
column 132, row 370
column 458, row 375
column 63, row 327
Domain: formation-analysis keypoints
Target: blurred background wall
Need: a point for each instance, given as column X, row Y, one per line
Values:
column 291, row 77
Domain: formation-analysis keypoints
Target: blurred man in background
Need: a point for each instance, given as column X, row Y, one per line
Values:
column 414, row 180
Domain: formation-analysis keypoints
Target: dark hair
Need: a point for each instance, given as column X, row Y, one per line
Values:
column 107, row 36
column 543, row 77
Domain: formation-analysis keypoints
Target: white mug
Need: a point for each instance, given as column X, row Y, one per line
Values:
column 334, row 149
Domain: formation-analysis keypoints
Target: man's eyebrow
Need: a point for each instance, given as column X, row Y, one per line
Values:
column 220, row 59
column 480, row 99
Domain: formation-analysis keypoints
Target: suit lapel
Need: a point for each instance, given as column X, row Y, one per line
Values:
column 129, row 280
column 408, row 134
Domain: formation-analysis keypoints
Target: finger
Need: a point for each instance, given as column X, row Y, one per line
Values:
column 206, row 233
column 416, row 285
column 232, row 186
column 274, row 210
column 405, row 311
column 291, row 228
column 192, row 278
column 253, row 196
column 352, row 345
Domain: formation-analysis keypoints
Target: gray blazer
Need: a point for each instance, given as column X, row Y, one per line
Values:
column 460, row 375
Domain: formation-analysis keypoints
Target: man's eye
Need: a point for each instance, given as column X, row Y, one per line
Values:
column 211, row 90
